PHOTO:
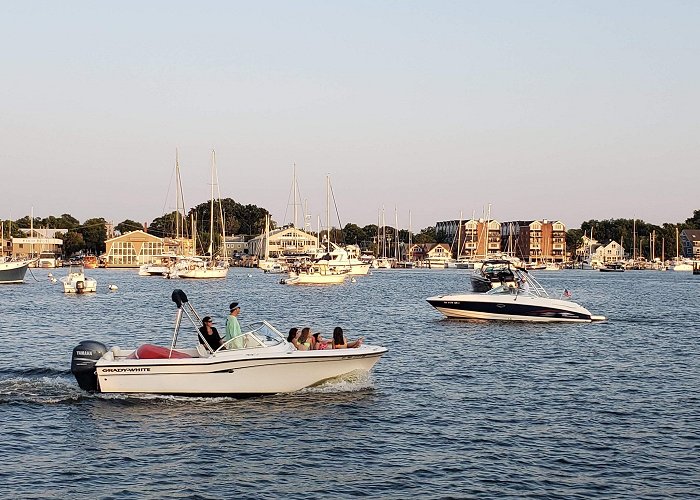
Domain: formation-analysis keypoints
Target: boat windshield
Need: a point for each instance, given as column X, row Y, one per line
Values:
column 255, row 335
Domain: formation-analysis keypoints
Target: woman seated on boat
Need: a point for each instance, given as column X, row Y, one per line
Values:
column 340, row 342
column 320, row 343
column 305, row 340
column 293, row 337
column 209, row 334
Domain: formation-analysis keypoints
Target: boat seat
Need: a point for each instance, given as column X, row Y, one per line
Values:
column 202, row 351
column 150, row 351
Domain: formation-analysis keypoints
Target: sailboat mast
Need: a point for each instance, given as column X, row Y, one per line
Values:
column 396, row 230
column 221, row 214
column 328, row 213
column 211, row 206
column 410, row 236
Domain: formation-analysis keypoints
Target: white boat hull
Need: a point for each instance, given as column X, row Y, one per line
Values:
column 77, row 282
column 511, row 307
column 203, row 273
column 237, row 372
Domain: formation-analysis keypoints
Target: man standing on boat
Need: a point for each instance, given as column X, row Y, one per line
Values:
column 233, row 328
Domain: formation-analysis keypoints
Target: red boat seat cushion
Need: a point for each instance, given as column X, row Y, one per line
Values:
column 150, row 351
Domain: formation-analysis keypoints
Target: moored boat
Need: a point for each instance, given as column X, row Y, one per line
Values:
column 612, row 267
column 265, row 364
column 315, row 274
column 77, row 282
column 13, row 271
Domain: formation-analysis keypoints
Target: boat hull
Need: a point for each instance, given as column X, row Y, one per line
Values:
column 235, row 373
column 13, row 272
column 510, row 308
column 200, row 273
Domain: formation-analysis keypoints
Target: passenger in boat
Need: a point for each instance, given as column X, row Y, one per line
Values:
column 524, row 285
column 305, row 340
column 233, row 328
column 340, row 342
column 293, row 337
column 320, row 343
column 209, row 334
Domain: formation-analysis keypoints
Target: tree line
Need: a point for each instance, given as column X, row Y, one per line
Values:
column 90, row 236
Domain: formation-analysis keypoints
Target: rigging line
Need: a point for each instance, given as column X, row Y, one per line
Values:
column 30, row 272
column 340, row 224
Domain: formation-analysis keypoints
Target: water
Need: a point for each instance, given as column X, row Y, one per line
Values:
column 455, row 409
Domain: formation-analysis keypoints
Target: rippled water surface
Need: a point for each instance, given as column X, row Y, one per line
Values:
column 455, row 409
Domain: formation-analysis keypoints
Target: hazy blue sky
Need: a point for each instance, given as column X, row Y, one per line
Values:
column 544, row 109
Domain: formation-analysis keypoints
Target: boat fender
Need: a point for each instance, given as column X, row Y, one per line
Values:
column 80, row 286
column 82, row 365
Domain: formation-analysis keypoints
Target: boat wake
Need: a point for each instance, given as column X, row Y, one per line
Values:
column 42, row 389
column 352, row 382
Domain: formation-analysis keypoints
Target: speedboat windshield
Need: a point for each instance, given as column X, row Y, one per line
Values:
column 255, row 335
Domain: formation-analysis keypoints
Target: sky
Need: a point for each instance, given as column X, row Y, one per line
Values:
column 422, row 111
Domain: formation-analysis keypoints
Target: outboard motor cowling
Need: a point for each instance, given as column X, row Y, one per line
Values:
column 82, row 365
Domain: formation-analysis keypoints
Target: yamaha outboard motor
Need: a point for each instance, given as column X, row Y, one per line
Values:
column 85, row 355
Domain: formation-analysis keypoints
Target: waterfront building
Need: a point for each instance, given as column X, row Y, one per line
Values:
column 534, row 241
column 610, row 252
column 479, row 238
column 133, row 249
column 287, row 240
column 41, row 243
column 236, row 245
column 690, row 243
column 432, row 254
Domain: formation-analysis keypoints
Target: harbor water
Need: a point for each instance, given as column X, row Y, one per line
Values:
column 455, row 409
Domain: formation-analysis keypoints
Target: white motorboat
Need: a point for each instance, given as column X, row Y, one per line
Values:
column 77, row 282
column 13, row 271
column 266, row 364
column 527, row 301
column 200, row 268
column 315, row 274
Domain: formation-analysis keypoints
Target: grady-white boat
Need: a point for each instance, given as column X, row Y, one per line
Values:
column 77, row 282
column 266, row 363
column 527, row 301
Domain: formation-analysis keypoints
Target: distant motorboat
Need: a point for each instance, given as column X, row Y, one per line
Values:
column 526, row 301
column 77, row 282
column 315, row 274
column 612, row 267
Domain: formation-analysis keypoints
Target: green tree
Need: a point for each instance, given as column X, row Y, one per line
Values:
column 354, row 234
column 428, row 235
column 73, row 242
column 128, row 225
column 94, row 233
column 694, row 221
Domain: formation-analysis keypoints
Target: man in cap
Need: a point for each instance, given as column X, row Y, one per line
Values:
column 233, row 328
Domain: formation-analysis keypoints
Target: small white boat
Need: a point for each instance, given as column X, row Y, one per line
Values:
column 77, row 282
column 524, row 301
column 204, row 268
column 266, row 364
column 315, row 274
